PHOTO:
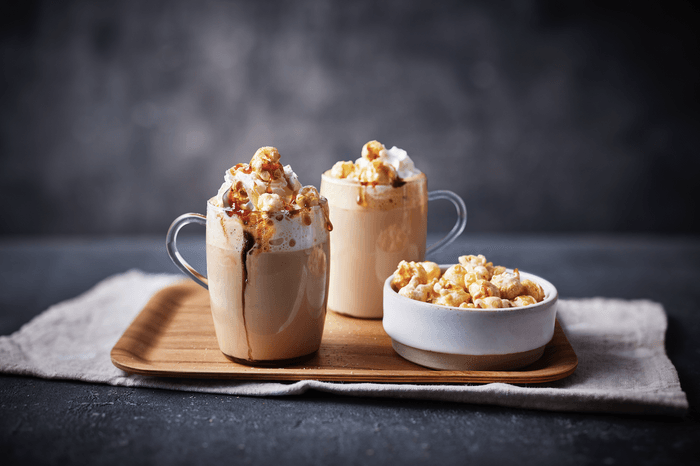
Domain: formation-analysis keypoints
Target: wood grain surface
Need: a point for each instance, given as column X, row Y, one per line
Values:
column 173, row 336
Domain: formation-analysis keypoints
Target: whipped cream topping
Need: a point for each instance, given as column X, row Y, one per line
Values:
column 397, row 158
column 269, row 200
column 262, row 185
column 377, row 165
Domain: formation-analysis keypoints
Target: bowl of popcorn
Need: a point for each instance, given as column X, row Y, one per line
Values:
column 470, row 316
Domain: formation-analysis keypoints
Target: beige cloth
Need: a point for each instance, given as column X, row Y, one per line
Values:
column 623, row 367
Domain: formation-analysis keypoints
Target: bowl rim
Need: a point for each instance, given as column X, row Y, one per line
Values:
column 550, row 297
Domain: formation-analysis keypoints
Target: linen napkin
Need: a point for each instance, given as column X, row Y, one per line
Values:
column 623, row 367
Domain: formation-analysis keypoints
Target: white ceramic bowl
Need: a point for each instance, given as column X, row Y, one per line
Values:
column 442, row 337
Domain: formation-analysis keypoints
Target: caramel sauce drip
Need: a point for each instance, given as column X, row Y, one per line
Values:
column 362, row 195
column 306, row 218
column 248, row 245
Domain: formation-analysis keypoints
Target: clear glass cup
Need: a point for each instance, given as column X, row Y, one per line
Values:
column 268, row 301
column 374, row 228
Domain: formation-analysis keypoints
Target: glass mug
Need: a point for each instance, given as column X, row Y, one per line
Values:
column 268, row 306
column 374, row 228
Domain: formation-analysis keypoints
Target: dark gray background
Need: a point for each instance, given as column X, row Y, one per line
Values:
column 115, row 117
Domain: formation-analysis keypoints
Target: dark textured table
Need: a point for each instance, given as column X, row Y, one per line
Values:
column 56, row 422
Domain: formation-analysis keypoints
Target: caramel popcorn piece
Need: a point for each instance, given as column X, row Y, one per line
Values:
column 524, row 300
column 265, row 163
column 452, row 297
column 483, row 289
column 432, row 269
column 416, row 290
column 270, row 203
column 491, row 302
column 467, row 306
column 342, row 169
column 405, row 272
column 508, row 283
column 373, row 150
column 307, row 197
column 455, row 275
column 472, row 263
column 477, row 273
column 377, row 172
column 533, row 289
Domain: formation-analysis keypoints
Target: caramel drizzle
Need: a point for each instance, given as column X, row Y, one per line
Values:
column 248, row 245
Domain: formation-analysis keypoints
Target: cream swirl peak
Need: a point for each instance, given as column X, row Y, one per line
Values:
column 377, row 165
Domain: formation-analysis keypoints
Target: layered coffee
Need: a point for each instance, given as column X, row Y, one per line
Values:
column 379, row 207
column 267, row 262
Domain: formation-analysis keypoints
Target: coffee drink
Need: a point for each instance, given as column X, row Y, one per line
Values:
column 379, row 209
column 375, row 227
column 268, row 252
column 271, row 305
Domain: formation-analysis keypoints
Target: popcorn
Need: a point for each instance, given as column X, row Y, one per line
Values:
column 432, row 269
column 270, row 203
column 523, row 300
column 406, row 271
column 533, row 289
column 474, row 263
column 483, row 289
column 255, row 191
column 377, row 172
column 455, row 275
column 416, row 291
column 477, row 273
column 376, row 166
column 342, row 169
column 466, row 285
column 468, row 262
column 373, row 150
column 265, row 163
column 491, row 302
column 508, row 284
column 452, row 297
column 467, row 306
column 308, row 197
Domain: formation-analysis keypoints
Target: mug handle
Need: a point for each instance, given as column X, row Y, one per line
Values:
column 461, row 218
column 171, row 245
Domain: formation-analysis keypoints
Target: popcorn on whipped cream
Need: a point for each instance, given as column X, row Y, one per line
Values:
column 255, row 191
column 377, row 165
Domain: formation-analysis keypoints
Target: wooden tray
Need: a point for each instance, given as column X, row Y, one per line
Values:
column 173, row 336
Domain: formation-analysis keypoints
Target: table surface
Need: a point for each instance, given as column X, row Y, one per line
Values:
column 52, row 422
